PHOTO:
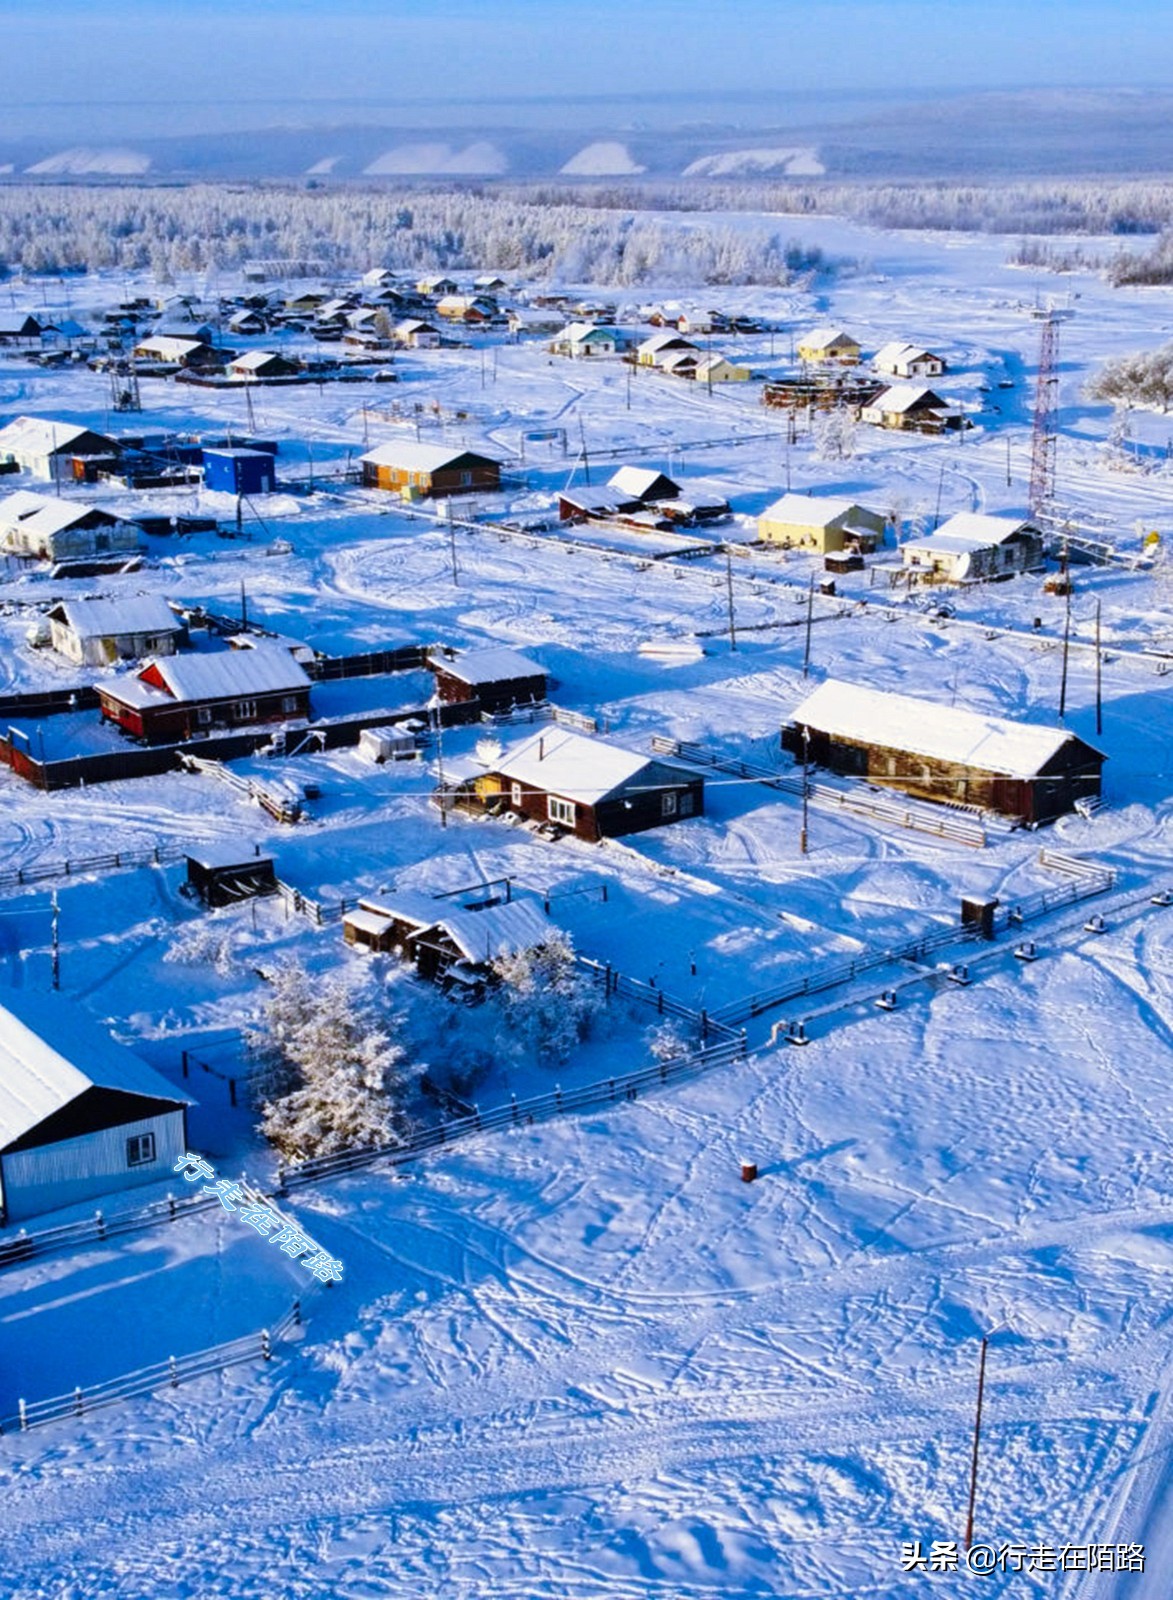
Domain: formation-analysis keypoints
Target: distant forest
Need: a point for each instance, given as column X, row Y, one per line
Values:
column 597, row 234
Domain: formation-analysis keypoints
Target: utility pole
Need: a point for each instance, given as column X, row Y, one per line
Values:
column 56, row 943
column 977, row 1433
column 1099, row 676
column 729, row 591
column 1066, row 636
column 628, row 385
column 440, row 763
column 243, row 605
column 803, row 838
column 452, row 542
column 810, row 608
column 1008, row 462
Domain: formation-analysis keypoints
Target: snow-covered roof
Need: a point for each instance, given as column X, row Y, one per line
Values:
column 372, row 922
column 496, row 665
column 265, row 669
column 40, row 436
column 596, row 502
column 411, row 325
column 672, row 359
column 501, row 930
column 904, row 396
column 666, row 340
column 897, row 353
column 577, row 332
column 412, row 457
column 41, row 1041
column 568, row 764
column 252, row 359
column 636, row 482
column 978, row 528
column 925, row 728
column 168, row 348
column 104, row 619
column 43, row 513
column 823, row 338
column 809, row 510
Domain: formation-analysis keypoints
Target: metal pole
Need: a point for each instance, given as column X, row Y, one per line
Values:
column 977, row 1433
column 452, row 541
column 1066, row 644
column 806, row 750
column 810, row 606
column 1099, row 676
column 56, row 944
column 729, row 590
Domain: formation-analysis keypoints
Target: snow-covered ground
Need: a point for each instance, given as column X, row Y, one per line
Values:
column 585, row 1359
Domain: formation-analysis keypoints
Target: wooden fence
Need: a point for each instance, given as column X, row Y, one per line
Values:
column 171, row 1373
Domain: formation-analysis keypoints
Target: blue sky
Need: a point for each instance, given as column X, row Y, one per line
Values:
column 399, row 51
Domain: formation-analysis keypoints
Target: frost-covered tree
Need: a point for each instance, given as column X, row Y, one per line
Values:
column 1139, row 378
column 331, row 1076
column 549, row 1003
column 834, row 434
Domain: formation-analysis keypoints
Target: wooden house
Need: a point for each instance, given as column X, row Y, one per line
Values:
column 585, row 786
column 489, row 283
column 80, row 1116
column 96, row 633
column 496, row 678
column 900, row 360
column 829, row 344
column 583, row 340
column 972, row 546
column 47, row 448
column 21, row 327
column 653, row 350
column 168, row 350
column 640, row 485
column 173, row 698
column 717, row 368
column 429, row 469
column 914, row 408
column 50, row 529
column 255, row 366
column 416, row 334
column 945, row 753
column 473, row 310
column 680, row 363
column 437, row 285
column 821, row 523
column 247, row 323
column 446, row 943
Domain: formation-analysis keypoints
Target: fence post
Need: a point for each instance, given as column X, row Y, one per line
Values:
column 280, row 1178
column 297, row 1313
column 232, row 1091
column 170, row 1206
column 24, row 1416
column 174, row 1371
column 266, row 1345
column 183, row 1059
column 513, row 1105
column 558, row 1095
column 78, row 1407
column 101, row 1224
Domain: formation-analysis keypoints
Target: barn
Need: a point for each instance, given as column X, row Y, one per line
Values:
column 1022, row 770
column 497, row 678
column 236, row 470
column 589, row 788
column 52, row 529
column 174, row 697
column 429, row 469
column 46, row 448
column 80, row 1116
column 97, row 632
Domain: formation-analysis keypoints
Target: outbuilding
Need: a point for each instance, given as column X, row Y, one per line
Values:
column 1022, row 770
column 222, row 875
column 255, row 365
column 912, row 407
column 236, row 470
column 98, row 632
column 429, row 469
column 639, row 485
column 588, row 787
column 447, row 943
column 80, row 1115
column 47, row 448
column 497, row 678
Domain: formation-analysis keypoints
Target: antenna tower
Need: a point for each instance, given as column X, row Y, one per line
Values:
column 124, row 379
column 1045, row 437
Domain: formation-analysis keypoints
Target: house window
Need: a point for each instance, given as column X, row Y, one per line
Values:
column 466, row 480
column 668, row 805
column 140, row 1149
column 289, row 703
column 686, row 803
column 203, row 716
column 560, row 811
column 244, row 710
column 515, row 794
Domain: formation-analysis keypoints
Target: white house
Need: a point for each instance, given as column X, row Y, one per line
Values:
column 580, row 340
column 45, row 447
column 52, row 529
column 98, row 632
column 168, row 350
column 417, row 334
column 972, row 546
column 80, row 1116
column 899, row 360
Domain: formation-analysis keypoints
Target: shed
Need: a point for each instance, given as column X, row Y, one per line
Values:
column 240, row 471
column 591, row 788
column 255, row 365
column 446, row 942
column 222, row 875
column 946, row 753
column 170, row 350
column 98, row 632
column 822, row 523
column 80, row 1116
column 497, row 678
column 429, row 469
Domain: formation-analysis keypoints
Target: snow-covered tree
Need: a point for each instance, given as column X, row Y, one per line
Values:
column 549, row 1003
column 834, row 434
column 331, row 1076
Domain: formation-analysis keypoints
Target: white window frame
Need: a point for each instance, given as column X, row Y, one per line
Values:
column 515, row 795
column 561, row 811
column 669, row 803
column 140, row 1149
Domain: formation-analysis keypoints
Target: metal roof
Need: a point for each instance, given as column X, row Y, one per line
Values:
column 809, row 510
column 496, row 665
column 219, row 675
column 559, row 762
column 104, row 619
column 41, row 1040
column 45, row 514
column 412, row 457
column 501, row 930
column 40, row 436
column 925, row 728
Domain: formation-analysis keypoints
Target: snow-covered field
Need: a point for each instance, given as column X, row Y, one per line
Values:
column 584, row 1359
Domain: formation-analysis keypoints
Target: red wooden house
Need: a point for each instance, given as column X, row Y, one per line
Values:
column 174, row 697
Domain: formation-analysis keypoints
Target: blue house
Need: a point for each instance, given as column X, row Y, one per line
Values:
column 240, row 471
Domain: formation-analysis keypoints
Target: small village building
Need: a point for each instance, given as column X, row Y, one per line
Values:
column 414, row 469
column 912, row 407
column 95, row 633
column 448, row 944
column 377, row 278
column 680, row 363
column 653, row 350
column 973, row 546
column 591, row 505
column 221, row 875
column 51, row 529
column 638, row 485
column 583, row 340
column 900, row 360
column 821, row 523
column 586, row 786
column 467, row 308
column 719, row 369
column 694, row 506
column 21, row 327
column 236, row 470
column 945, row 753
column 702, row 322
column 437, row 285
column 523, row 320
column 497, row 679
column 80, row 1115
column 306, row 302
column 247, row 324
column 417, row 334
column 255, row 365
column 173, row 698
column 829, row 344
column 489, row 283
column 47, row 448
column 167, row 350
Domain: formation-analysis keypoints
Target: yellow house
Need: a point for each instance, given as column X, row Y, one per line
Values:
column 806, row 522
column 829, row 344
column 719, row 369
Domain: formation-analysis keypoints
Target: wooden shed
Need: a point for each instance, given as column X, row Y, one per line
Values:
column 497, row 678
column 429, row 469
column 222, row 875
column 1021, row 770
column 98, row 632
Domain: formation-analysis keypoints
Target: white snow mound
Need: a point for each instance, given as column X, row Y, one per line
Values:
column 606, row 158
column 83, row 159
column 795, row 162
column 480, row 159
